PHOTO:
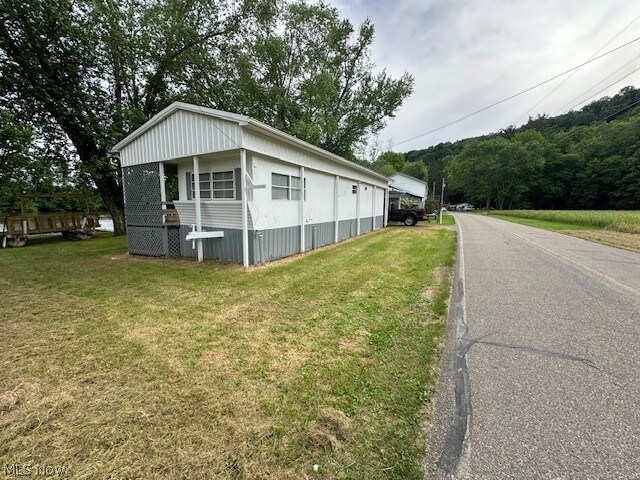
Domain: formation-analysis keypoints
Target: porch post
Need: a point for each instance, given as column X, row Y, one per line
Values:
column 196, row 197
column 245, row 228
column 163, row 193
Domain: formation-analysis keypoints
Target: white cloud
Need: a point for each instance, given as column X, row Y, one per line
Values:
column 465, row 55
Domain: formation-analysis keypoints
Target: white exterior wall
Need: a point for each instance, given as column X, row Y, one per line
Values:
column 366, row 200
column 347, row 205
column 409, row 185
column 320, row 197
column 271, row 147
column 265, row 212
column 182, row 134
column 214, row 214
column 378, row 205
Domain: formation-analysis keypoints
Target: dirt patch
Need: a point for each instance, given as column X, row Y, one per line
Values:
column 628, row 241
column 329, row 429
column 439, row 275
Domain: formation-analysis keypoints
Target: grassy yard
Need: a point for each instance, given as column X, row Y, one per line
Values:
column 611, row 227
column 115, row 366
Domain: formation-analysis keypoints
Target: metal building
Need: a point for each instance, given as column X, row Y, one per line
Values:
column 244, row 191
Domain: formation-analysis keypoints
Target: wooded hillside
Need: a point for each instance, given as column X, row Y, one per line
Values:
column 587, row 159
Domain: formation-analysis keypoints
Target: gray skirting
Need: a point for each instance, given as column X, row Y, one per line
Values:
column 366, row 224
column 264, row 245
column 347, row 229
column 227, row 248
column 319, row 235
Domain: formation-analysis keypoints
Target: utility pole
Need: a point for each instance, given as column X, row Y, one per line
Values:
column 442, row 199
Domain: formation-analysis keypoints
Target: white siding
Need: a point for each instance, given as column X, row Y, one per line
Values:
column 265, row 212
column 182, row 134
column 378, row 205
column 214, row 213
column 409, row 185
column 346, row 199
column 366, row 200
column 320, row 197
column 279, row 149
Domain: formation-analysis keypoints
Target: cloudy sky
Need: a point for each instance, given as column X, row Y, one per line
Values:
column 466, row 55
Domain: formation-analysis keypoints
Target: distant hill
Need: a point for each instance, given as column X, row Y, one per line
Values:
column 607, row 110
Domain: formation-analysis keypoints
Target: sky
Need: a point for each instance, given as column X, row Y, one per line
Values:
column 466, row 55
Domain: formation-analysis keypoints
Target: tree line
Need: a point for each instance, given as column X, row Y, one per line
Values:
column 586, row 159
column 77, row 76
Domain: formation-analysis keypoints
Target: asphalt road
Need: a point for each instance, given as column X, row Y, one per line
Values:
column 541, row 373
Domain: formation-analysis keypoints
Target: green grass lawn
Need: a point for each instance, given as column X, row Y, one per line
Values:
column 116, row 366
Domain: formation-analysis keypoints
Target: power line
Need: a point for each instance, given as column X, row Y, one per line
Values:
column 517, row 94
column 608, row 86
column 619, row 111
column 596, row 85
column 576, row 70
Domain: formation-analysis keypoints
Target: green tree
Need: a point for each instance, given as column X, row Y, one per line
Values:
column 98, row 69
column 308, row 72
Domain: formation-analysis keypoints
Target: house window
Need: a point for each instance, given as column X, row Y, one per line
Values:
column 279, row 187
column 354, row 189
column 216, row 185
column 287, row 187
column 295, row 188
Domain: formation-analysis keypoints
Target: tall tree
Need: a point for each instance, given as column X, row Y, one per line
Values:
column 98, row 69
column 311, row 74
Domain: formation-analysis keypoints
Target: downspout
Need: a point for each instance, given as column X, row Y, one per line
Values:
column 386, row 207
column 336, row 190
column 243, row 188
column 196, row 197
column 302, row 232
column 373, row 207
column 358, row 188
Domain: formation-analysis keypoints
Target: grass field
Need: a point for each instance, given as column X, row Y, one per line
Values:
column 615, row 220
column 611, row 227
column 115, row 366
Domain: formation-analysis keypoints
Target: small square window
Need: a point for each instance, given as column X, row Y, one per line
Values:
column 354, row 189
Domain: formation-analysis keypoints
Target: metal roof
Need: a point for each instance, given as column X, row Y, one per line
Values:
column 243, row 121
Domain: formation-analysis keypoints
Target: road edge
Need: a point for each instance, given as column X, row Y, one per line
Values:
column 448, row 443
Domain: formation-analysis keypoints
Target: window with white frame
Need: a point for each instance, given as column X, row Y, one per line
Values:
column 215, row 185
column 287, row 187
column 280, row 187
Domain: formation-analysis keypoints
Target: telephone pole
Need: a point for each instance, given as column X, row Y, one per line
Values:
column 442, row 199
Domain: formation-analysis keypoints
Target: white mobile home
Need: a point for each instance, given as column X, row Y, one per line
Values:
column 244, row 191
column 406, row 186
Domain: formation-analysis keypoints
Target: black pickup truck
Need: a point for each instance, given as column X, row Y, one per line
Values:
column 409, row 216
